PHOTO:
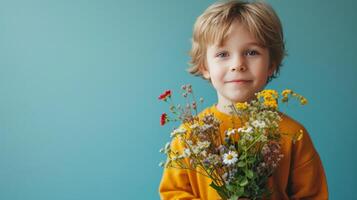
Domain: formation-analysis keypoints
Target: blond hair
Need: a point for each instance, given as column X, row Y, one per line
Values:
column 213, row 25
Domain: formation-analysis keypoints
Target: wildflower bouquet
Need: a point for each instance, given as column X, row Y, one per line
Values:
column 239, row 164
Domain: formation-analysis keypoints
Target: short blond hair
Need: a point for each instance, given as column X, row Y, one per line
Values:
column 213, row 25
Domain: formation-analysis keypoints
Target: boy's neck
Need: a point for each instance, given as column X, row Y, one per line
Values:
column 224, row 106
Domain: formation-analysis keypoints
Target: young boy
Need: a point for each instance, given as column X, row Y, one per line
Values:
column 239, row 47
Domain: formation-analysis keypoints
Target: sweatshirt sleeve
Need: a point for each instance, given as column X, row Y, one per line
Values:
column 307, row 177
column 175, row 183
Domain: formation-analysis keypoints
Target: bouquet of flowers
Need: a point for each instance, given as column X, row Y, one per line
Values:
column 240, row 165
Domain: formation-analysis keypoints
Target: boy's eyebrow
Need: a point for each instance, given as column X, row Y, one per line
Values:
column 246, row 44
column 254, row 43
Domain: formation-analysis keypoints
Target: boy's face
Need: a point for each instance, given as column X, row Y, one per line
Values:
column 240, row 68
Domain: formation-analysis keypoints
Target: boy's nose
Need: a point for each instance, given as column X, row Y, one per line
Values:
column 240, row 68
column 238, row 65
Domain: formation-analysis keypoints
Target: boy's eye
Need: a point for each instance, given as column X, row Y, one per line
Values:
column 252, row 53
column 222, row 54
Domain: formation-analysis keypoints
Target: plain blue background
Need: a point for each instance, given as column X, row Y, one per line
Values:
column 79, row 80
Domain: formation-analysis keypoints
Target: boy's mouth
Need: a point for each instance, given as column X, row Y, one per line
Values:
column 238, row 81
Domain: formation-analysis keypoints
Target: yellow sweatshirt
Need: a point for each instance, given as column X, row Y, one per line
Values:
column 300, row 174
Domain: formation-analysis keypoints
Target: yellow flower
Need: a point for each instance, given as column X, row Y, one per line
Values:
column 242, row 106
column 268, row 98
column 271, row 104
column 284, row 99
column 303, row 101
column 272, row 93
column 268, row 94
column 285, row 93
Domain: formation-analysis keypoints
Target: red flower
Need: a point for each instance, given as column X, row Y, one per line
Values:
column 164, row 95
column 163, row 119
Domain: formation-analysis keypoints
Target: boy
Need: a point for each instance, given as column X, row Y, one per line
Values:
column 239, row 46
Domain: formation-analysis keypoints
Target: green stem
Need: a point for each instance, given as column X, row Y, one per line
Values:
column 255, row 141
column 201, row 164
column 194, row 100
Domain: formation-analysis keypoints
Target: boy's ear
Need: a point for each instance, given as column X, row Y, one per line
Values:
column 205, row 73
column 272, row 69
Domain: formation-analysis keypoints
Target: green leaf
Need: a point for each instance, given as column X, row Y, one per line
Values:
column 222, row 193
column 251, row 160
column 234, row 197
column 244, row 182
column 216, row 187
column 240, row 191
column 241, row 164
column 243, row 156
column 249, row 174
column 231, row 187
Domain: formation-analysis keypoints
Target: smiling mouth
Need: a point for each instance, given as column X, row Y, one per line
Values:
column 238, row 81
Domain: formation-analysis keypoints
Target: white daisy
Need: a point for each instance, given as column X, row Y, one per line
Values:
column 249, row 129
column 178, row 131
column 186, row 153
column 258, row 124
column 203, row 145
column 195, row 125
column 230, row 132
column 195, row 149
column 247, row 137
column 263, row 138
column 167, row 147
column 206, row 127
column 204, row 153
column 230, row 158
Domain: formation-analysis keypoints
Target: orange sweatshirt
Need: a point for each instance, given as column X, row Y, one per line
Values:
column 300, row 174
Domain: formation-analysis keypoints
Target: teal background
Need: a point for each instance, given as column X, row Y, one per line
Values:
column 79, row 80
